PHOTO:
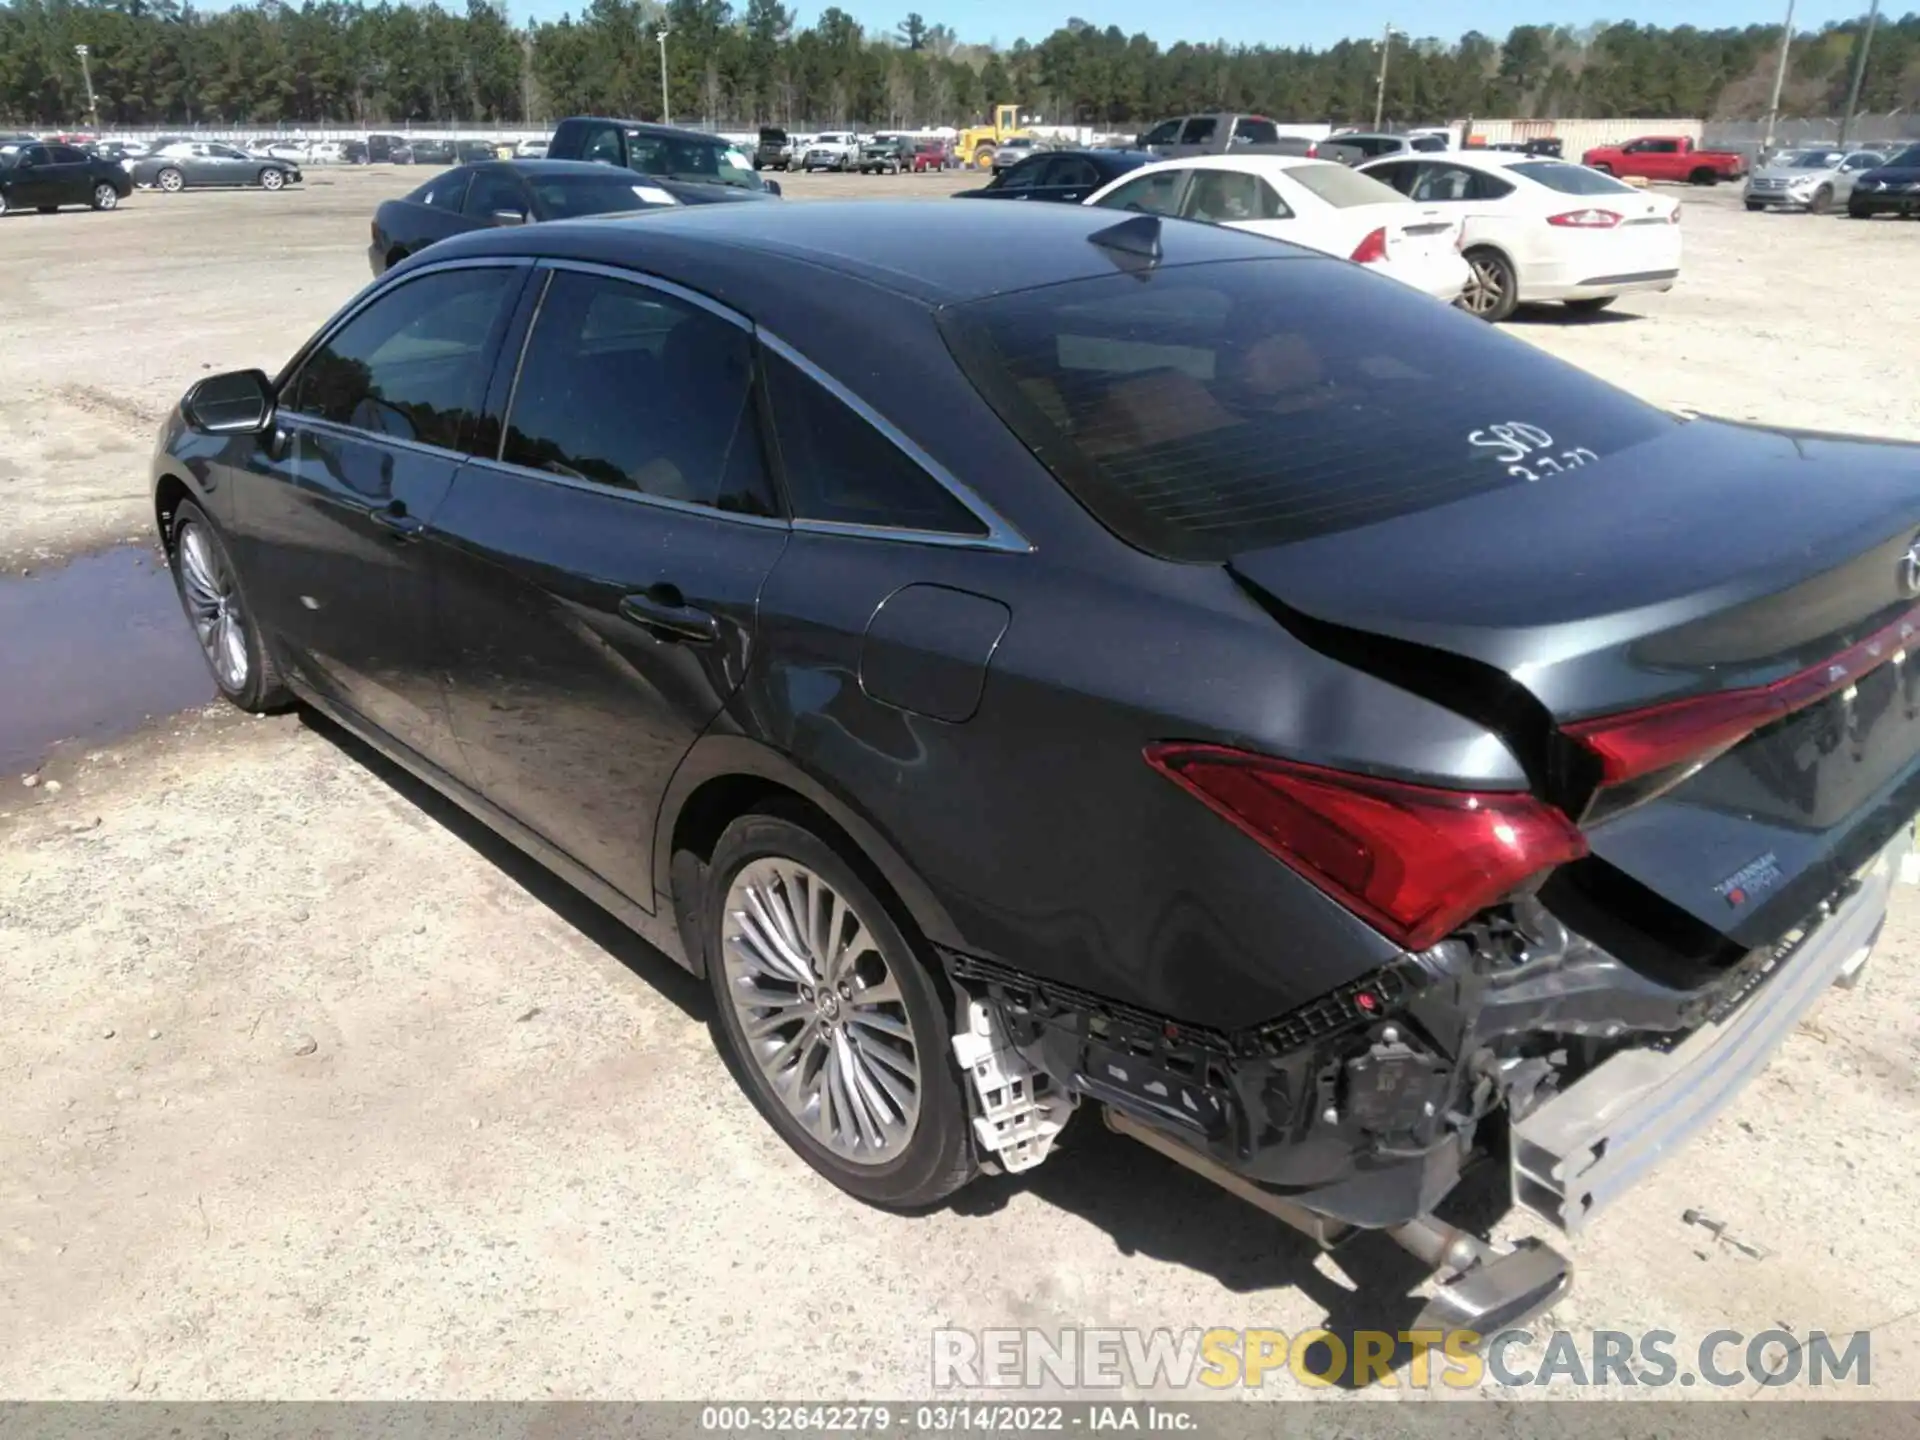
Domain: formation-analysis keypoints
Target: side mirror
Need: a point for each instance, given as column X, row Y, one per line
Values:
column 773, row 187
column 240, row 402
column 508, row 217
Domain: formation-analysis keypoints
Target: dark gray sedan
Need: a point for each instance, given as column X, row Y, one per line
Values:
column 185, row 163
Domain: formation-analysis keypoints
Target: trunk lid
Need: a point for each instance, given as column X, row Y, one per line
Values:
column 1717, row 558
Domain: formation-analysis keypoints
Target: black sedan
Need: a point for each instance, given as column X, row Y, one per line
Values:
column 1192, row 676
column 1067, row 176
column 519, row 192
column 41, row 177
column 189, row 164
column 1889, row 189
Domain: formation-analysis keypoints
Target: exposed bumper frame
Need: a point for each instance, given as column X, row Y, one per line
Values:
column 1575, row 1154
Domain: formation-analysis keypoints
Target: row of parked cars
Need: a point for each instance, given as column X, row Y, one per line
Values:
column 1821, row 178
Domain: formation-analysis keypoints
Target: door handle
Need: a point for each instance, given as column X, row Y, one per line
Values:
column 662, row 611
column 395, row 520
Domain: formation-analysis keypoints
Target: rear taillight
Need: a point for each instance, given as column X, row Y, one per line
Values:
column 1372, row 250
column 1593, row 219
column 1413, row 861
column 1642, row 742
column 1313, row 150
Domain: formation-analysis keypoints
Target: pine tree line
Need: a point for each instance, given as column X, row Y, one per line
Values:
column 157, row 62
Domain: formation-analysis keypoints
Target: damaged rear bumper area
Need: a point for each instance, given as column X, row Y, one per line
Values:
column 1361, row 1109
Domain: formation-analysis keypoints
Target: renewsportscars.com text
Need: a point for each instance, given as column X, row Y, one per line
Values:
column 1221, row 1359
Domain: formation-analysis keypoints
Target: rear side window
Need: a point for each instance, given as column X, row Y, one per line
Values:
column 1165, row 133
column 1221, row 197
column 1569, row 179
column 1157, row 194
column 1203, row 411
column 840, row 468
column 1248, row 130
column 1199, row 130
column 67, row 155
column 636, row 390
column 495, row 191
column 444, row 192
column 1342, row 188
column 413, row 364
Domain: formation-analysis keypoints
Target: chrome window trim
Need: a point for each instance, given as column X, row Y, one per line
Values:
column 544, row 278
column 375, row 437
column 640, row 497
column 1000, row 535
column 646, row 281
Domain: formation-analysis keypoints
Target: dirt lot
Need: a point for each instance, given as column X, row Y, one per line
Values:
column 315, row 1090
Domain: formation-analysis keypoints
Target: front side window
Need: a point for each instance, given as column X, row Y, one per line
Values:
column 1072, row 170
column 67, row 155
column 492, row 192
column 1199, row 130
column 1200, row 412
column 1165, row 133
column 1023, row 176
column 1223, row 197
column 444, row 192
column 603, row 145
column 1156, row 194
column 1401, row 175
column 413, row 364
column 637, row 390
column 840, row 468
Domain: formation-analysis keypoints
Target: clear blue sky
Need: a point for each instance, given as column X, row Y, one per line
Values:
column 1250, row 22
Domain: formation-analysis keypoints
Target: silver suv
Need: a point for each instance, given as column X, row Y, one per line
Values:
column 1815, row 178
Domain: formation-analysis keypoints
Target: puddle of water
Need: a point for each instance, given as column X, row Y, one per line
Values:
column 90, row 651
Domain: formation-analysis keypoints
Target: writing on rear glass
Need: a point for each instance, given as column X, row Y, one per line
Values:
column 1527, row 450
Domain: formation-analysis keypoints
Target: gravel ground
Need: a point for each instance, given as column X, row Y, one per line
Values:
column 315, row 1090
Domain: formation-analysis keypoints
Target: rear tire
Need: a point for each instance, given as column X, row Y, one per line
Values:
column 171, row 181
column 1493, row 290
column 210, row 593
column 1590, row 306
column 105, row 197
column 795, row 936
column 1705, row 176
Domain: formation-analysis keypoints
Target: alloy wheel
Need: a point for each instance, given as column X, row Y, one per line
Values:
column 821, row 1011
column 171, row 181
column 213, row 605
column 272, row 179
column 105, row 197
column 1486, row 286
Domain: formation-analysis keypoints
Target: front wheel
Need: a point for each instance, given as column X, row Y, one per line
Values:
column 1822, row 201
column 1493, row 290
column 209, row 590
column 1756, row 205
column 105, row 197
column 171, row 181
column 272, row 179
column 833, row 1017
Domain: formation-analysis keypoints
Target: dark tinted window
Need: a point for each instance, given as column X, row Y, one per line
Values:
column 1024, row 175
column 603, row 144
column 560, row 197
column 632, row 388
column 1906, row 160
column 413, row 364
column 1440, row 181
column 1402, row 175
column 67, row 155
column 1427, row 143
column 1199, row 130
column 1248, row 130
column 36, row 155
column 1071, row 170
column 444, row 192
column 839, row 467
column 1203, row 411
column 1569, row 179
column 494, row 190
column 1165, row 133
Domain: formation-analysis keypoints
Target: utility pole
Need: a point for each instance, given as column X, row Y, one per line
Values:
column 666, row 116
column 1859, row 74
column 1380, row 85
column 86, row 74
column 1779, row 82
column 526, row 76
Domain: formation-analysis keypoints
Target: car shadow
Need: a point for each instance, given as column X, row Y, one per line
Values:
column 1548, row 314
column 1148, row 1205
column 597, row 924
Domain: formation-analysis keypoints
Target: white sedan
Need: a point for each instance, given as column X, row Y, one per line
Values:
column 1540, row 229
column 1315, row 203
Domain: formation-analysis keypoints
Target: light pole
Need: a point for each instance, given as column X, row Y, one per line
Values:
column 86, row 74
column 1859, row 74
column 666, row 117
column 1380, row 85
column 1779, row 81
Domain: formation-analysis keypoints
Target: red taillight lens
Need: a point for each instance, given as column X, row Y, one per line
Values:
column 1313, row 150
column 1585, row 220
column 1372, row 250
column 1413, row 861
column 1640, row 742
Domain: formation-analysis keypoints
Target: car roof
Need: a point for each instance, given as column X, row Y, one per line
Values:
column 530, row 167
column 1255, row 164
column 934, row 254
column 646, row 127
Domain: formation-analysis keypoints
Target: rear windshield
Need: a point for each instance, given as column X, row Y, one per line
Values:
column 1205, row 410
column 1341, row 187
column 562, row 197
column 1569, row 179
column 1906, row 160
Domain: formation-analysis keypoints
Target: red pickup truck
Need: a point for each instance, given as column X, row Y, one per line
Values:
column 1667, row 157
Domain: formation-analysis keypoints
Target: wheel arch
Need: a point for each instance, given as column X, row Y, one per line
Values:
column 169, row 490
column 726, row 776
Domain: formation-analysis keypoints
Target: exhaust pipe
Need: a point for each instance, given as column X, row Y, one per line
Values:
column 1489, row 1291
